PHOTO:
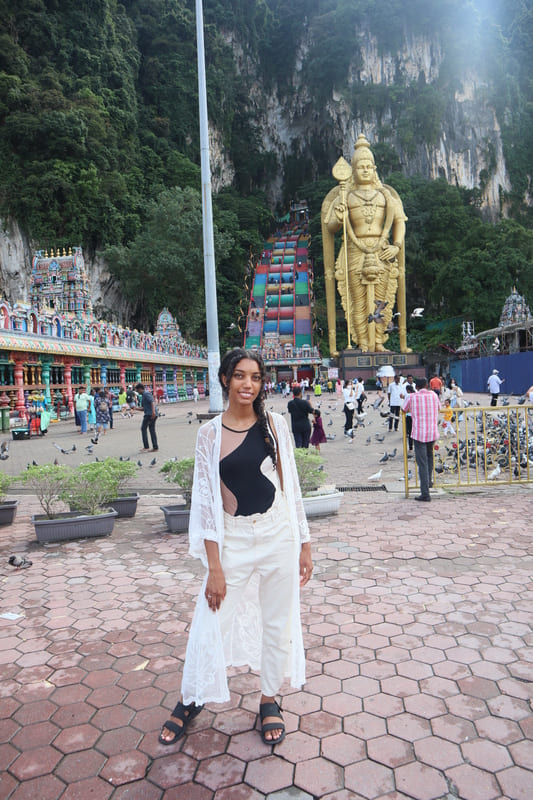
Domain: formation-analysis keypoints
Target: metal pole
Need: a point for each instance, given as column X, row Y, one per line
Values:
column 213, row 354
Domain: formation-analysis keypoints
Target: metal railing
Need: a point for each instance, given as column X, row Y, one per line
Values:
column 490, row 445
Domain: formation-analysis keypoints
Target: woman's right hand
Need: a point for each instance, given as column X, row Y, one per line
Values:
column 215, row 589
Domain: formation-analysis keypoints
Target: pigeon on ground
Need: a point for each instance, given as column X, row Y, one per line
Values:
column 380, row 437
column 369, row 439
column 330, row 422
column 376, row 476
column 139, row 463
column 495, row 472
column 393, row 454
column 384, row 457
column 153, row 462
column 89, row 448
column 20, row 562
column 35, row 464
column 4, row 448
column 330, row 436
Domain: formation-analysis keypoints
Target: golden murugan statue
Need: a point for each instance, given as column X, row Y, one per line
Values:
column 369, row 269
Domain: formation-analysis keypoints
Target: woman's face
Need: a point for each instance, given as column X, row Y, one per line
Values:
column 245, row 384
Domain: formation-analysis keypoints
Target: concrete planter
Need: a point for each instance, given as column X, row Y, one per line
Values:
column 8, row 511
column 125, row 506
column 322, row 505
column 177, row 518
column 71, row 525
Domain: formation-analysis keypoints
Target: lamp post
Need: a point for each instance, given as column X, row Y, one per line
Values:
column 213, row 354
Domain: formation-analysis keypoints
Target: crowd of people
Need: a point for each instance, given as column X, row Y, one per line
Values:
column 94, row 409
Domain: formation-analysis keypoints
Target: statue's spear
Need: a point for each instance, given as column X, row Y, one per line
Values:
column 342, row 172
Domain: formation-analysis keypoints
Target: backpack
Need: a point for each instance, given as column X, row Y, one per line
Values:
column 103, row 406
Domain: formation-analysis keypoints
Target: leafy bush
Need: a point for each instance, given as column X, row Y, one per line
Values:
column 5, row 483
column 48, row 483
column 182, row 473
column 310, row 469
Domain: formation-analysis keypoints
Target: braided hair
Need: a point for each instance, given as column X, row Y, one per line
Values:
column 226, row 370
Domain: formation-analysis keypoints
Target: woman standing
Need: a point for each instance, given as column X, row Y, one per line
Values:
column 349, row 406
column 249, row 529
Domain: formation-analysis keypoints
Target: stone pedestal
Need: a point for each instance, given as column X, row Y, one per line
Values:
column 355, row 364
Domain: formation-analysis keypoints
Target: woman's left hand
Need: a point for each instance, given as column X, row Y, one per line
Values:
column 306, row 563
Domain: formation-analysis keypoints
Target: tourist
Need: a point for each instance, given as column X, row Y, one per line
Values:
column 91, row 411
column 101, row 413
column 299, row 409
column 396, row 395
column 81, row 402
column 149, row 418
column 122, row 402
column 349, row 407
column 248, row 527
column 447, row 413
column 424, row 408
column 318, row 436
column 494, row 383
column 435, row 384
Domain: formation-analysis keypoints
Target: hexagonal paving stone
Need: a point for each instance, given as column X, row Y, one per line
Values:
column 319, row 776
column 420, row 782
column 390, row 751
column 473, row 783
column 343, row 749
column 437, row 752
column 269, row 774
column 368, row 779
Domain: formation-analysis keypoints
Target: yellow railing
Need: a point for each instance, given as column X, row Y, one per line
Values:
column 491, row 445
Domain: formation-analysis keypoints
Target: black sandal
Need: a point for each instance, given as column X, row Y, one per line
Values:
column 185, row 714
column 271, row 710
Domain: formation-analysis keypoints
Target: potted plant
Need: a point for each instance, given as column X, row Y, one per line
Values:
column 181, row 473
column 8, row 508
column 85, row 488
column 120, row 473
column 319, row 499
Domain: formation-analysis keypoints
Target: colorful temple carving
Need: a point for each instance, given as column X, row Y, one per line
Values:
column 54, row 343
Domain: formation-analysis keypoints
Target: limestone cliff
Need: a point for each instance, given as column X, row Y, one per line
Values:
column 467, row 148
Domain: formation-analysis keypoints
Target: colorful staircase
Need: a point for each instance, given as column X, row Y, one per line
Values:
column 280, row 302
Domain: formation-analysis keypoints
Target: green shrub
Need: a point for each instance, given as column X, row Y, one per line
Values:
column 48, row 483
column 5, row 483
column 310, row 469
column 182, row 473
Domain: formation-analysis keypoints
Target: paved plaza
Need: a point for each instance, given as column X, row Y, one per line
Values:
column 417, row 627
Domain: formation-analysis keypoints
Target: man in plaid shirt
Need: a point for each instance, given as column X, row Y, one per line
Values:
column 424, row 407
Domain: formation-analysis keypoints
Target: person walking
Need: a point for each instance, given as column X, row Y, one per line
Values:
column 494, row 383
column 249, row 529
column 348, row 393
column 423, row 405
column 149, row 418
column 101, row 403
column 82, row 401
column 299, row 409
column 396, row 395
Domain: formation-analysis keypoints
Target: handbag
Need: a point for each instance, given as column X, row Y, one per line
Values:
column 350, row 406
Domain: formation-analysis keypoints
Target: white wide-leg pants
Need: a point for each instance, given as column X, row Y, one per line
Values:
column 261, row 547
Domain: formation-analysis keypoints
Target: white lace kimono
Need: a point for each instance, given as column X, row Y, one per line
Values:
column 204, row 673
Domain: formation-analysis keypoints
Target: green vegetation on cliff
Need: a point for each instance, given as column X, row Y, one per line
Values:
column 99, row 141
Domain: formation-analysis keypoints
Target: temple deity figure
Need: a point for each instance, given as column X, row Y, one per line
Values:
column 370, row 266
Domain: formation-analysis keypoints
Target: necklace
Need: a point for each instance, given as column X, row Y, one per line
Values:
column 368, row 209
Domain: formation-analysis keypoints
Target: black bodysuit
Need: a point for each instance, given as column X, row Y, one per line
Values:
column 245, row 471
